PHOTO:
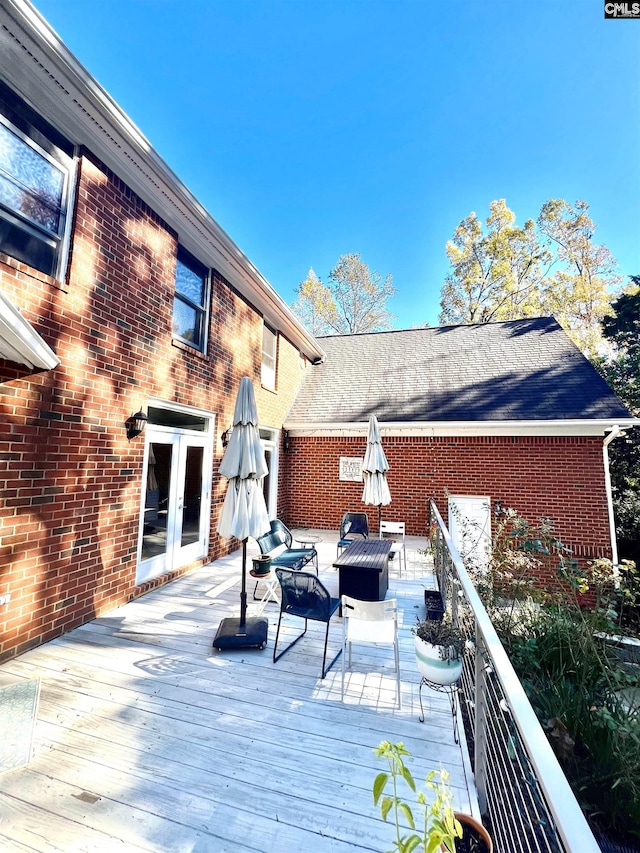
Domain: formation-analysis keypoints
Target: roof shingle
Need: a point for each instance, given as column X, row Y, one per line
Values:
column 516, row 370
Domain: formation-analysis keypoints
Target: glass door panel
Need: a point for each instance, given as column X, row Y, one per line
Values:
column 266, row 483
column 192, row 496
column 158, row 489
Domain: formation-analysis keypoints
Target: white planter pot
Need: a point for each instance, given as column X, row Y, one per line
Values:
column 432, row 667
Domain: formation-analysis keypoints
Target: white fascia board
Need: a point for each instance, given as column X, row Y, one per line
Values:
column 596, row 427
column 60, row 89
column 19, row 341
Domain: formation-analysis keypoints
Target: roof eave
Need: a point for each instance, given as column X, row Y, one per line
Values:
column 62, row 80
column 20, row 342
column 569, row 427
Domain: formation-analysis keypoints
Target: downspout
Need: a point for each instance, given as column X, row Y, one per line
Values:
column 615, row 432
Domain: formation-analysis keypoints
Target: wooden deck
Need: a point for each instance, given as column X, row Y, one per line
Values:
column 147, row 739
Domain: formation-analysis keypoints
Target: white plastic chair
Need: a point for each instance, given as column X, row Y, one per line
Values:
column 396, row 529
column 370, row 623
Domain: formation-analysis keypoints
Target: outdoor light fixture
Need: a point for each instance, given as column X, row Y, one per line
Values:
column 225, row 438
column 135, row 424
column 498, row 509
column 285, row 439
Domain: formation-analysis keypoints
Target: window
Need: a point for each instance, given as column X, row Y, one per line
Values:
column 36, row 167
column 269, row 350
column 190, row 301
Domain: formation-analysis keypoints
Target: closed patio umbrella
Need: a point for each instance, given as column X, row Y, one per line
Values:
column 374, row 470
column 244, row 512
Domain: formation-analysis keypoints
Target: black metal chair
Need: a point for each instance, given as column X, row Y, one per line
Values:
column 280, row 537
column 303, row 595
column 353, row 524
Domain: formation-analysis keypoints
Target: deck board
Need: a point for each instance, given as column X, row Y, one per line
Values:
column 148, row 739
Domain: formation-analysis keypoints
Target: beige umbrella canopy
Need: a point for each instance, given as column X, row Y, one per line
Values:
column 374, row 470
column 244, row 512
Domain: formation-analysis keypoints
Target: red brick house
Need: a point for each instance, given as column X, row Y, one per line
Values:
column 505, row 414
column 119, row 293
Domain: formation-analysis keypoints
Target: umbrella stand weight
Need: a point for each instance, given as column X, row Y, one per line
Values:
column 233, row 634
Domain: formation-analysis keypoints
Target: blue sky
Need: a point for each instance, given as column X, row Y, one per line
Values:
column 313, row 128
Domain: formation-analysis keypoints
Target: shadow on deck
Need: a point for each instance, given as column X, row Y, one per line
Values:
column 148, row 739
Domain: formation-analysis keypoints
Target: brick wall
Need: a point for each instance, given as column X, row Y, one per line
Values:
column 70, row 482
column 560, row 478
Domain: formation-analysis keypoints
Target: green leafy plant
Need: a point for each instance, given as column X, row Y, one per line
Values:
column 439, row 827
column 555, row 615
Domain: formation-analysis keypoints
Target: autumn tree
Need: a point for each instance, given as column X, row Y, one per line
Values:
column 315, row 305
column 579, row 292
column 500, row 271
column 354, row 301
column 496, row 272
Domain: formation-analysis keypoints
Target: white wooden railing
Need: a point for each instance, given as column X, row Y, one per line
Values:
column 524, row 796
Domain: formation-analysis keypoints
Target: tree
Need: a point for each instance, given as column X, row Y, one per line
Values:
column 622, row 371
column 495, row 275
column 315, row 305
column 551, row 266
column 354, row 302
column 579, row 293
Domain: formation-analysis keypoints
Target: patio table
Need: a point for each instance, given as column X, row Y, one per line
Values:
column 364, row 569
column 308, row 540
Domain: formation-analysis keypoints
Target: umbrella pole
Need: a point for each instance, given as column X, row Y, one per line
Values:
column 379, row 520
column 243, row 593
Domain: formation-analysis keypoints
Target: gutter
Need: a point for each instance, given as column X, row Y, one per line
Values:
column 573, row 427
column 616, row 432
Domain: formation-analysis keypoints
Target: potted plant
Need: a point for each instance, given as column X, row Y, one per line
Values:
column 438, row 828
column 439, row 646
column 261, row 565
column 441, row 828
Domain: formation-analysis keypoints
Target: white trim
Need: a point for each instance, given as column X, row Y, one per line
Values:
column 596, row 426
column 35, row 60
column 19, row 341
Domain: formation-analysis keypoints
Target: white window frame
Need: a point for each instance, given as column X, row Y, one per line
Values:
column 59, row 241
column 269, row 357
column 202, row 310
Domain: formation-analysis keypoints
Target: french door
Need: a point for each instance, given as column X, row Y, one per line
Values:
column 176, row 500
column 269, row 441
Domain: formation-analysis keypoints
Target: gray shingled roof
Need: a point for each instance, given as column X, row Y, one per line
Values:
column 516, row 370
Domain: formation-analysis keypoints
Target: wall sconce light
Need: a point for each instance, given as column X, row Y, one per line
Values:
column 225, row 438
column 498, row 509
column 285, row 440
column 135, row 424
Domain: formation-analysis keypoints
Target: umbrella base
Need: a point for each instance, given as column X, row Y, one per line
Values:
column 232, row 635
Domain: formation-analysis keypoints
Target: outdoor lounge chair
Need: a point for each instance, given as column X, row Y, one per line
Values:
column 277, row 544
column 303, row 595
column 353, row 524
